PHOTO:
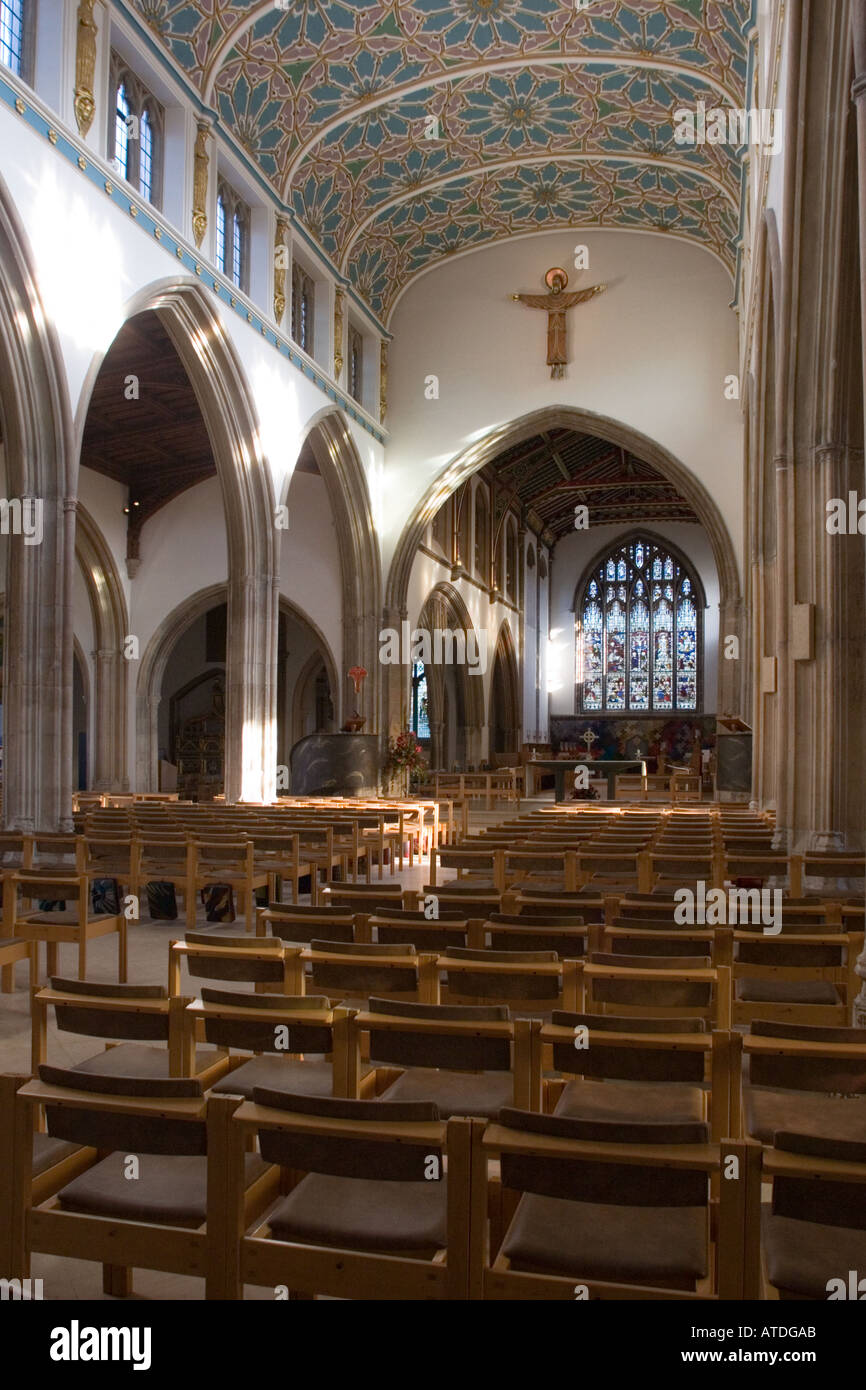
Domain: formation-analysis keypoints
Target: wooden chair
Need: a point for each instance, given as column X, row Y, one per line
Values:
column 605, row 1210
column 173, row 1216
column 531, row 982
column 76, row 923
column 392, row 925
column 813, row 1232
column 794, row 976
column 373, row 1217
column 280, row 1030
column 658, row 986
column 465, row 1060
column 229, row 862
column 355, row 971
column 12, row 950
column 139, row 1014
column 265, row 962
column 566, row 934
column 797, row 1076
column 646, row 1070
column 304, row 924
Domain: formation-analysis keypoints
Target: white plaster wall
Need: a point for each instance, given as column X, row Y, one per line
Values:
column 310, row 572
column 570, row 559
column 652, row 352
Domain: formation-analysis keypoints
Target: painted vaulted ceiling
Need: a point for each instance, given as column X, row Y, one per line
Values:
column 400, row 133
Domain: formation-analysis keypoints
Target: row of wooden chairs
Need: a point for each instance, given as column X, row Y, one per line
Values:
column 350, row 1197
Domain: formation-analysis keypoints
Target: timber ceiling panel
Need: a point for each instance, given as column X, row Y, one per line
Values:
column 555, row 471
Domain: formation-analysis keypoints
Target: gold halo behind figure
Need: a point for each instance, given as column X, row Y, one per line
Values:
column 555, row 272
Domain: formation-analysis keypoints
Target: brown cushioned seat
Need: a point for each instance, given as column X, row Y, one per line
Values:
column 465, row 885
column 644, row 1245
column 48, row 1151
column 364, row 1214
column 801, row 1256
column 307, row 1078
column 134, row 1059
column 621, row 1101
column 170, row 1189
column 455, row 1092
column 760, row 991
column 770, row 1111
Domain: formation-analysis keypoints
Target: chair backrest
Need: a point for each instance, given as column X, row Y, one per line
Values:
column 819, row 1198
column 393, row 925
column 511, row 975
column 364, row 968
column 565, row 935
column 632, row 981
column 304, row 924
column 137, row 1128
column 258, row 960
column 84, row 1006
column 419, row 1044
column 608, row 1182
column 794, row 1070
column 266, row 1022
column 352, row 1154
column 633, row 1057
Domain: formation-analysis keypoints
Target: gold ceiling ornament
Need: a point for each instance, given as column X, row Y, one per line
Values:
column 199, row 182
column 85, row 66
column 281, row 263
column 383, row 381
column 338, row 333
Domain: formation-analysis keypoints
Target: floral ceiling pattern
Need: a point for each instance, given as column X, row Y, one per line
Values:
column 399, row 133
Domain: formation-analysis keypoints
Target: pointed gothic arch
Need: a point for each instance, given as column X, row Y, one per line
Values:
column 226, row 403
column 504, row 719
column 108, row 756
column 455, row 698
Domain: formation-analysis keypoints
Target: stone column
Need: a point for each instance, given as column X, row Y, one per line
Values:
column 37, row 703
column 251, row 688
column 858, row 92
column 109, row 722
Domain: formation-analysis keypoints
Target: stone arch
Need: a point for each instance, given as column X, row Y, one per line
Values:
column 37, row 432
column 324, row 656
column 504, row 690
column 108, row 756
column 443, row 609
column 586, row 421
column 150, row 676
column 340, row 465
column 226, row 402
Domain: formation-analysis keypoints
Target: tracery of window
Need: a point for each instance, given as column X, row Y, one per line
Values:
column 356, row 363
column 420, row 720
column 232, row 235
column 135, row 132
column 440, row 527
column 12, row 35
column 481, row 535
column 638, row 633
column 302, row 308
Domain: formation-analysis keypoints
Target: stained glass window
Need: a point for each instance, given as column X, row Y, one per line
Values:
column 221, row 234
column 145, row 156
column 121, row 133
column 638, row 633
column 420, row 713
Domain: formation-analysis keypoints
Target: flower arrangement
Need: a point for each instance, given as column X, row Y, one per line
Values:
column 405, row 755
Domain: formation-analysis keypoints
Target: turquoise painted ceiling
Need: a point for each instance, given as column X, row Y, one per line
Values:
column 399, row 134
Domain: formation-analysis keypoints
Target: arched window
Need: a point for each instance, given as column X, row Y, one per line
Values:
column 639, row 632
column 482, row 562
column 232, row 235
column 420, row 719
column 135, row 132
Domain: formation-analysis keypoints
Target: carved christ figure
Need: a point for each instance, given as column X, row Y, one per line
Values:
column 557, row 304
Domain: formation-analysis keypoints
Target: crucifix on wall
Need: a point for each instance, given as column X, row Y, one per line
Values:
column 557, row 303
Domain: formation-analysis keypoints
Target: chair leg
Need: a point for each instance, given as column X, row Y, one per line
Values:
column 122, row 951
column 7, row 979
column 117, row 1281
column 51, row 957
column 82, row 954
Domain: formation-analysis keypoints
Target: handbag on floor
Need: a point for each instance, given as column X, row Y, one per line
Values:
column 219, row 902
column 161, row 901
